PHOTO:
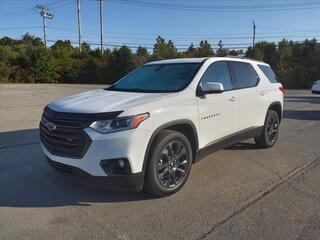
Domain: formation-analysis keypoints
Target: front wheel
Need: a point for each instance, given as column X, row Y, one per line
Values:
column 270, row 131
column 169, row 164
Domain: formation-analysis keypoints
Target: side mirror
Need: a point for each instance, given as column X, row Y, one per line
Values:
column 212, row 87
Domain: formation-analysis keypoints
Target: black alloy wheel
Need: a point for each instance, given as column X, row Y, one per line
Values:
column 270, row 131
column 172, row 164
column 169, row 163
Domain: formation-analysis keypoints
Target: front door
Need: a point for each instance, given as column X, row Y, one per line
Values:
column 218, row 112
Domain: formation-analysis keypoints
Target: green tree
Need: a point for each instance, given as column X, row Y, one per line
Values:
column 222, row 52
column 7, row 69
column 6, row 41
column 29, row 39
column 142, row 56
column 191, row 52
column 164, row 50
column 297, row 64
column 62, row 50
column 120, row 62
column 205, row 49
column 42, row 66
column 264, row 51
column 233, row 53
column 86, row 50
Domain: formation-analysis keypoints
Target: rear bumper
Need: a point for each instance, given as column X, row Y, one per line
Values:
column 131, row 182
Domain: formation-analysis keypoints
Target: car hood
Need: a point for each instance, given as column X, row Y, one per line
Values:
column 104, row 101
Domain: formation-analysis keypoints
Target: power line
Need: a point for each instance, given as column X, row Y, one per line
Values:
column 222, row 8
column 33, row 10
column 190, row 37
column 124, row 35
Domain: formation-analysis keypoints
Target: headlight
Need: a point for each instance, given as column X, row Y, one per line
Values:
column 119, row 124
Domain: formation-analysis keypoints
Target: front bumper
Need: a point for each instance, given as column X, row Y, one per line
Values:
column 131, row 145
column 132, row 182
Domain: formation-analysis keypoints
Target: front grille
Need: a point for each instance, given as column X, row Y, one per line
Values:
column 67, row 139
column 62, row 133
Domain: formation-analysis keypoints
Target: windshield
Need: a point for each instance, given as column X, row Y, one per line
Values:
column 158, row 78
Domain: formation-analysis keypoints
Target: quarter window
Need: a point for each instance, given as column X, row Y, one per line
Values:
column 269, row 73
column 217, row 72
column 244, row 74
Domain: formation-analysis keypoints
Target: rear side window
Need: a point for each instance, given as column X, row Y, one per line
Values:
column 244, row 74
column 269, row 73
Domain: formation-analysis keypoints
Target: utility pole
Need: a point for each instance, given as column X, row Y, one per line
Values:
column 101, row 26
column 254, row 34
column 79, row 25
column 44, row 13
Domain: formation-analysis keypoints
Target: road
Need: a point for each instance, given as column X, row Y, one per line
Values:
column 237, row 193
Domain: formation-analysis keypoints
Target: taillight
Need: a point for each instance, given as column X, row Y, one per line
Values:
column 281, row 88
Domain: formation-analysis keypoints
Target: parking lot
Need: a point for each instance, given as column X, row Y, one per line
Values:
column 242, row 192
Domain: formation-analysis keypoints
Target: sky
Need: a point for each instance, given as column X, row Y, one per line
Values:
column 139, row 22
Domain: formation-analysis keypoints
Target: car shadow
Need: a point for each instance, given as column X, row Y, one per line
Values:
column 27, row 180
column 310, row 115
column 302, row 99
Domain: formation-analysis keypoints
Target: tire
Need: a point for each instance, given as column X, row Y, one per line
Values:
column 169, row 163
column 270, row 131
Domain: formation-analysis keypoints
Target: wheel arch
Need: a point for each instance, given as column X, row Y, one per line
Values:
column 277, row 107
column 185, row 127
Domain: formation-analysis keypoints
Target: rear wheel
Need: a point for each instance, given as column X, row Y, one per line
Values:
column 169, row 164
column 270, row 131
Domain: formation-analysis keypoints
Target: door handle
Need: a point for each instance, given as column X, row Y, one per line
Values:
column 232, row 99
column 262, row 93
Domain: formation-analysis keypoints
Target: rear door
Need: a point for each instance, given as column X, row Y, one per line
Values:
column 251, row 95
column 219, row 112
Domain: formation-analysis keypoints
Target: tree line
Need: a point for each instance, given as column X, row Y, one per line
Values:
column 297, row 64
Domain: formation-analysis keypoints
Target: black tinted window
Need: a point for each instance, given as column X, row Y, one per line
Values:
column 217, row 72
column 244, row 74
column 269, row 73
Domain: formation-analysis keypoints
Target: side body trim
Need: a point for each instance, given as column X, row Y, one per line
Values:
column 228, row 141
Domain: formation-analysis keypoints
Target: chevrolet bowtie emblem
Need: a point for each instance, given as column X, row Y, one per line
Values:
column 51, row 126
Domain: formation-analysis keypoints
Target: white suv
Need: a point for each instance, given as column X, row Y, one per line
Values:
column 147, row 129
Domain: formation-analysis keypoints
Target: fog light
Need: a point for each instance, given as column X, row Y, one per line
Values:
column 116, row 166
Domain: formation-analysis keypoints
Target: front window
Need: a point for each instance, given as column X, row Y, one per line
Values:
column 217, row 72
column 172, row 77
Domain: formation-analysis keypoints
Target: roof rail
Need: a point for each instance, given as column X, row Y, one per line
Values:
column 243, row 57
